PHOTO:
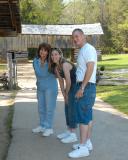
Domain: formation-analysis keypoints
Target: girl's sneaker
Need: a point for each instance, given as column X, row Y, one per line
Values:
column 69, row 139
column 63, row 135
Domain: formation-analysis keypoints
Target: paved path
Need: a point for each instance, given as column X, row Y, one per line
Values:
column 110, row 133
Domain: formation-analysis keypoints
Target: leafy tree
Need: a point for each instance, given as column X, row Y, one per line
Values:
column 79, row 12
column 27, row 11
column 112, row 14
column 41, row 11
column 116, row 13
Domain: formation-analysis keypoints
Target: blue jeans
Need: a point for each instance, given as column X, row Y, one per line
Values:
column 46, row 107
column 70, row 109
column 84, row 104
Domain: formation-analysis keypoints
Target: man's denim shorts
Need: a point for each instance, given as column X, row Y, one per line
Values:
column 84, row 104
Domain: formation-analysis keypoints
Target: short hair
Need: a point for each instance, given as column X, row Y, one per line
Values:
column 78, row 30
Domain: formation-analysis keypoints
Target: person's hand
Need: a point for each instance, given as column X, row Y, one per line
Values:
column 79, row 93
column 63, row 93
column 66, row 98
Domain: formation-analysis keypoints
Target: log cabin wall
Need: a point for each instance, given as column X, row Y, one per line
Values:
column 57, row 35
column 22, row 43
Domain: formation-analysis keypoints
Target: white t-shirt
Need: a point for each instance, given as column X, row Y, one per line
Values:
column 86, row 54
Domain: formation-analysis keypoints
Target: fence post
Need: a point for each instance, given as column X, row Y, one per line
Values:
column 12, row 71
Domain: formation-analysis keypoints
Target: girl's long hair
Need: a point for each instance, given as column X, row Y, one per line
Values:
column 52, row 65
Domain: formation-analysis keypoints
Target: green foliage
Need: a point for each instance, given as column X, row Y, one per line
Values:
column 78, row 12
column 116, row 21
column 125, row 50
column 115, row 95
column 116, row 61
column 41, row 11
column 112, row 14
column 3, row 68
column 66, row 53
column 32, row 52
column 108, row 50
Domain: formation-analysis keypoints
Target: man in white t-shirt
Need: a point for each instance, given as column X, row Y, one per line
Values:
column 85, row 92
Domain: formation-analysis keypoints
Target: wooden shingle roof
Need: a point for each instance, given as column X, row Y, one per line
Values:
column 10, row 23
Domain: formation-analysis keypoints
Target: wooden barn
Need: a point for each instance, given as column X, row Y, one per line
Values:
column 10, row 24
column 56, row 35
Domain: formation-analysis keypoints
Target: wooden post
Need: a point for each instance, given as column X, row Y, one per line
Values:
column 12, row 71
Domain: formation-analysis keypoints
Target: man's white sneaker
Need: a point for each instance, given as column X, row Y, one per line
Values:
column 69, row 139
column 63, row 135
column 38, row 129
column 47, row 132
column 88, row 145
column 81, row 151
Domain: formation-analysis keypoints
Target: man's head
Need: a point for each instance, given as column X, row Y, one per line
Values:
column 78, row 37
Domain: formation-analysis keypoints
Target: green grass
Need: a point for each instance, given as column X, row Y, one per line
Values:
column 3, row 68
column 116, row 61
column 117, row 96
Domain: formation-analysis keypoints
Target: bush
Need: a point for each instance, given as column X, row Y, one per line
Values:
column 125, row 50
column 109, row 50
column 32, row 53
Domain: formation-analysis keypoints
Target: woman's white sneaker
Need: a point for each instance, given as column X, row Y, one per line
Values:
column 63, row 135
column 81, row 151
column 38, row 129
column 69, row 139
column 47, row 132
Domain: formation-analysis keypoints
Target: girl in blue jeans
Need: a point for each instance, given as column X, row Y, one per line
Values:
column 47, row 90
column 66, row 71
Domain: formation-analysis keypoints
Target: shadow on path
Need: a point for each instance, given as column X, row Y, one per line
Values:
column 109, row 137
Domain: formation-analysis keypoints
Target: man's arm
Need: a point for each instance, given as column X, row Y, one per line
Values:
column 88, row 74
column 89, row 71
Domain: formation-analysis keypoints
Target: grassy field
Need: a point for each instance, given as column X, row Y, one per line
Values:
column 115, row 95
column 116, row 61
column 3, row 68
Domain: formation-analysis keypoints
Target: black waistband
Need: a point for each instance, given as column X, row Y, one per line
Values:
column 89, row 83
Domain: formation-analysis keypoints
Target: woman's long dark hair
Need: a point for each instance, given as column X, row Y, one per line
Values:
column 46, row 47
